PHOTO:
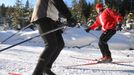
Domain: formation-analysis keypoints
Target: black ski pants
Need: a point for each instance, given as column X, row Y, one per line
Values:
column 105, row 36
column 54, row 43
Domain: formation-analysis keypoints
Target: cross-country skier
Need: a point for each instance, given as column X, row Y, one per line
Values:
column 110, row 21
column 46, row 15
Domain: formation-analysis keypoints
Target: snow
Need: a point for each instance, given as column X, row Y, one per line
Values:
column 23, row 58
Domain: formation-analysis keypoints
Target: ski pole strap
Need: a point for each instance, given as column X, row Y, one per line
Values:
column 33, row 38
column 17, row 33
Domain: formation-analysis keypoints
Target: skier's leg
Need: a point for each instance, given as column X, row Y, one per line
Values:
column 50, row 45
column 108, row 36
column 103, row 42
column 60, row 46
column 101, row 45
column 45, row 57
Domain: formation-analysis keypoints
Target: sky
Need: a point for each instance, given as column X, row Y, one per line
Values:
column 12, row 2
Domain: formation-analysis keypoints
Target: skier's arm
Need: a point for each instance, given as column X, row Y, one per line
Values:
column 115, row 15
column 119, row 20
column 62, row 8
column 95, row 25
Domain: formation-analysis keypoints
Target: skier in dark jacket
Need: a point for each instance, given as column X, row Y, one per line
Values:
column 110, row 21
column 46, row 15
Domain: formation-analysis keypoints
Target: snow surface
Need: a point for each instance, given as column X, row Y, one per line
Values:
column 23, row 58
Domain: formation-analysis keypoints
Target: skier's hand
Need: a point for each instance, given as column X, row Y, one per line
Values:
column 119, row 28
column 71, row 22
column 87, row 30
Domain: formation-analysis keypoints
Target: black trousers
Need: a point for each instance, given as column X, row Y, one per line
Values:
column 105, row 36
column 54, row 43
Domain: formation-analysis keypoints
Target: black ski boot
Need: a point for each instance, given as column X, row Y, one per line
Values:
column 48, row 72
column 106, row 59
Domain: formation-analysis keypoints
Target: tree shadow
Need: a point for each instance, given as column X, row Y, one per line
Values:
column 95, row 70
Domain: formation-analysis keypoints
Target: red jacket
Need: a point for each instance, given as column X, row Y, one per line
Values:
column 108, row 19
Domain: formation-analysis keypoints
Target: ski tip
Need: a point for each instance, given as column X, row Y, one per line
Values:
column 14, row 73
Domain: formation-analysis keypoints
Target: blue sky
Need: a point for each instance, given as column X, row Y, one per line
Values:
column 12, row 2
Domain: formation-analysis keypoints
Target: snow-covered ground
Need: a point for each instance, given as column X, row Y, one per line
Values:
column 23, row 58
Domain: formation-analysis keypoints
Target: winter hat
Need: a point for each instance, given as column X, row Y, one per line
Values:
column 99, row 6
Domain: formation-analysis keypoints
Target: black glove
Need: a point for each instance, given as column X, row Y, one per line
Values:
column 71, row 22
column 87, row 30
column 118, row 28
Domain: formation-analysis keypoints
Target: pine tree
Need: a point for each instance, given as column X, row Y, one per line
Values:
column 17, row 19
column 81, row 9
column 102, row 1
column 75, row 9
column 84, row 10
column 27, row 5
column 3, row 10
column 27, row 13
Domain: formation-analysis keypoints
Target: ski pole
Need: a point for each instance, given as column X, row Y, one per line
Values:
column 16, row 33
column 33, row 38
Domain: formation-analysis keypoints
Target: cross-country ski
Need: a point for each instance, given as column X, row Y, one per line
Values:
column 14, row 73
column 93, row 62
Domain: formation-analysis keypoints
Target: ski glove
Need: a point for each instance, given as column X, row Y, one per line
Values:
column 87, row 30
column 119, row 28
column 71, row 22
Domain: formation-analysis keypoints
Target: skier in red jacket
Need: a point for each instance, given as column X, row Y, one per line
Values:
column 108, row 19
